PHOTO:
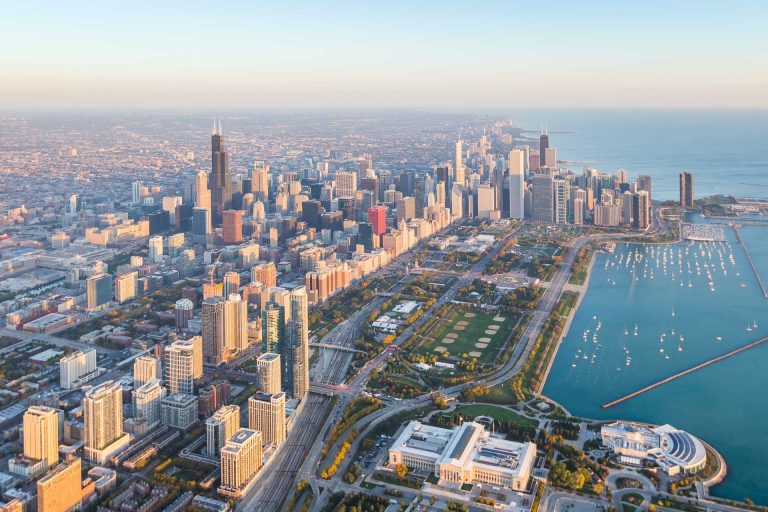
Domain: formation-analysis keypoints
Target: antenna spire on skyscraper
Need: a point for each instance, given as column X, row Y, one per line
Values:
column 214, row 126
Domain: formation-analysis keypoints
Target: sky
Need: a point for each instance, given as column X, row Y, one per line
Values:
column 383, row 54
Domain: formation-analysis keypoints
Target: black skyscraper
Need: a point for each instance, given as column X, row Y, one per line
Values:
column 543, row 145
column 219, row 181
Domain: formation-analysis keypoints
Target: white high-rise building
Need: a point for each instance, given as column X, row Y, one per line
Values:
column 235, row 323
column 169, row 205
column 220, row 427
column 298, row 341
column 457, row 201
column 516, row 184
column 486, row 201
column 203, row 195
column 260, row 183
column 147, row 399
column 41, row 435
column 76, row 368
column 266, row 413
column 180, row 367
column 268, row 368
column 136, row 192
column 346, row 183
column 156, row 249
column 146, row 368
column 103, row 419
column 240, row 460
column 459, row 164
column 126, row 286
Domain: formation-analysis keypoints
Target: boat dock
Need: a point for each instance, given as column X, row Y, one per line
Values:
column 749, row 259
column 684, row 372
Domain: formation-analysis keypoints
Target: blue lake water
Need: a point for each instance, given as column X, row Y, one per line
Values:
column 678, row 326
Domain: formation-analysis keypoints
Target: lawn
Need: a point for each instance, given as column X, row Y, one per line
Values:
column 498, row 413
column 475, row 331
column 501, row 394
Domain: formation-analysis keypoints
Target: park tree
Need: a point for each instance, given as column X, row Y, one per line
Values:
column 402, row 470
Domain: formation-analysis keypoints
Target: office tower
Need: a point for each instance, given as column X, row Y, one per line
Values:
column 486, row 200
column 543, row 198
column 640, row 210
column 347, row 208
column 516, row 184
column 175, row 244
column 212, row 320
column 297, row 380
column 156, row 249
column 103, row 419
column 372, row 185
column 180, row 367
column 578, row 211
column 265, row 273
column 543, row 145
column 235, row 324
column 458, row 163
column 377, row 218
column 260, row 183
column 405, row 183
column 220, row 427
column 232, row 228
column 346, row 183
column 179, row 410
column 268, row 368
column 621, row 176
column 311, row 212
column 406, row 209
column 61, row 489
column 626, row 208
column 136, row 192
column 231, row 283
column 201, row 224
column 457, row 200
column 550, row 158
column 126, row 286
column 98, row 291
column 147, row 399
column 266, row 413
column 562, row 198
column 74, row 204
column 272, row 327
column 146, row 368
column 76, row 368
column 184, row 311
column 41, row 435
column 240, row 460
column 169, row 205
column 220, row 180
column 686, row 190
column 202, row 193
column 644, row 183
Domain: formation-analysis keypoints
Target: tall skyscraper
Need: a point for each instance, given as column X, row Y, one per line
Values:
column 346, row 183
column 41, row 434
column 543, row 198
column 686, row 190
column 103, row 419
column 516, row 184
column 562, row 198
column 644, row 183
column 268, row 368
column 215, row 351
column 240, row 460
column 377, row 218
column 220, row 427
column 146, row 368
column 235, row 324
column 232, row 227
column 98, row 291
column 543, row 145
column 156, row 249
column 61, row 489
column 266, row 413
column 459, row 171
column 76, row 368
column 203, row 194
column 272, row 327
column 180, row 367
column 260, row 183
column 126, row 286
column 640, row 210
column 201, row 224
column 136, row 192
column 220, row 180
column 231, row 283
column 298, row 340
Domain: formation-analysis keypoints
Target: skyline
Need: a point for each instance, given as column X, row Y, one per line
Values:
column 332, row 55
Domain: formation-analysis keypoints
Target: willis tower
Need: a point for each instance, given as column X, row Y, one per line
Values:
column 219, row 181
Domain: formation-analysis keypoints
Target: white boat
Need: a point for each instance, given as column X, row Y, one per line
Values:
column 719, row 338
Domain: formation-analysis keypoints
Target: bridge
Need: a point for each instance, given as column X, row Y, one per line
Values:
column 336, row 347
column 685, row 372
column 323, row 388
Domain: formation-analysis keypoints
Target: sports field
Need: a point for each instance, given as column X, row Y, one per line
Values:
column 468, row 332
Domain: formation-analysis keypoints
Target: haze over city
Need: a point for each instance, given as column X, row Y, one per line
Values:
column 383, row 256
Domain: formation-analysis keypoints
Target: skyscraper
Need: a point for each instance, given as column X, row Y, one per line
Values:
column 220, row 180
column 516, row 184
column 156, row 249
column 146, row 368
column 232, row 228
column 98, row 291
column 543, row 198
column 103, row 419
column 203, row 194
column 298, row 341
column 272, row 327
column 212, row 320
column 543, row 145
column 640, row 210
column 220, row 427
column 377, row 218
column 240, row 460
column 235, row 324
column 41, row 434
column 562, row 200
column 260, row 183
column 126, row 286
column 686, row 190
column 77, row 368
column 346, row 183
column 231, row 283
column 180, row 367
column 147, row 399
column 268, row 368
column 459, row 171
column 266, row 413
column 61, row 489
